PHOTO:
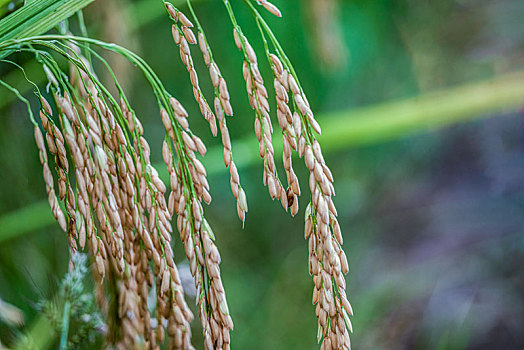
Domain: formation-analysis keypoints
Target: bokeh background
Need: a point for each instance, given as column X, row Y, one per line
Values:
column 422, row 103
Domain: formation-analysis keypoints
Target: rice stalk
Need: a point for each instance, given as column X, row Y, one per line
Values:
column 327, row 260
column 107, row 196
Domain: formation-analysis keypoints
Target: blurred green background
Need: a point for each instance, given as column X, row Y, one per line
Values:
column 422, row 107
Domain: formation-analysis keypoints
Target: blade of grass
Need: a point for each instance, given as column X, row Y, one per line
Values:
column 390, row 120
column 344, row 130
column 37, row 17
column 30, row 218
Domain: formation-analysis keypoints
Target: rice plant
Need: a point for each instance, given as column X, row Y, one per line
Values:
column 111, row 203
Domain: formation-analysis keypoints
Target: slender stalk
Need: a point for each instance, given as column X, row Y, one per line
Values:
column 273, row 39
column 65, row 326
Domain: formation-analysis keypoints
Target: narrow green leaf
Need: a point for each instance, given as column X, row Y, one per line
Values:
column 37, row 17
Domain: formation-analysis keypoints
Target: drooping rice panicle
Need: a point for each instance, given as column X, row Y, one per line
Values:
column 258, row 99
column 222, row 103
column 189, row 187
column 48, row 177
column 327, row 260
column 105, row 163
column 114, row 201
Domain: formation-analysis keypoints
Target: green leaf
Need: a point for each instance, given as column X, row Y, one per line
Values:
column 37, row 17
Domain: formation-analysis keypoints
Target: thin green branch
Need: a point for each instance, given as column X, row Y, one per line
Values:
column 65, row 326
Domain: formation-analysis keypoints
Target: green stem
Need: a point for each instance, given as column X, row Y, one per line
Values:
column 83, row 31
column 274, row 40
column 65, row 326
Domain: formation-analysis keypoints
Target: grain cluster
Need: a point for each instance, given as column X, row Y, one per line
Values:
column 110, row 200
